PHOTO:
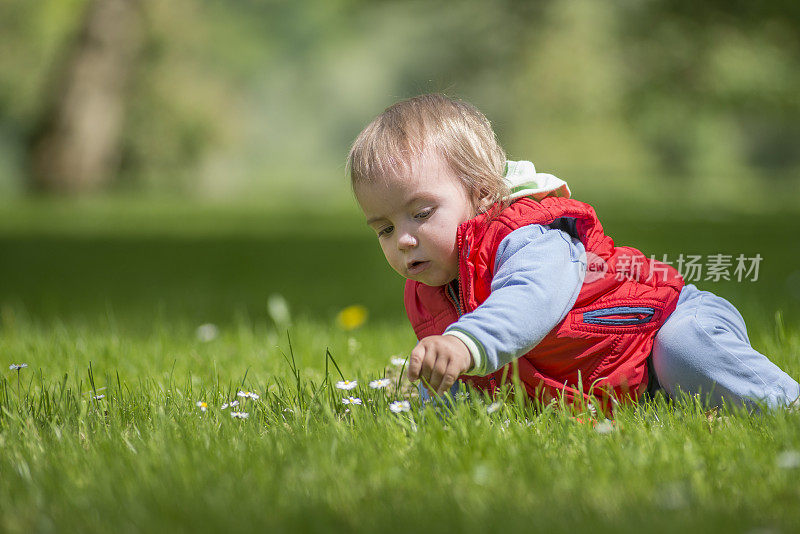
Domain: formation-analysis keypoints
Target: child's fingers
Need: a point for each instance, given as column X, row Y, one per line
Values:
column 415, row 362
column 449, row 378
column 438, row 370
column 428, row 360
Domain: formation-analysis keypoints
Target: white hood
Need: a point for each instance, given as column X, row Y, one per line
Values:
column 523, row 181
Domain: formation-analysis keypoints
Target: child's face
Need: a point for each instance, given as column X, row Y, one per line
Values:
column 416, row 217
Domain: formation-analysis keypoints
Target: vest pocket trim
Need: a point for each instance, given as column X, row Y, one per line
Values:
column 619, row 315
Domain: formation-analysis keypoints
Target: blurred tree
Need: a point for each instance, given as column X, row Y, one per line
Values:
column 76, row 146
column 260, row 98
column 699, row 71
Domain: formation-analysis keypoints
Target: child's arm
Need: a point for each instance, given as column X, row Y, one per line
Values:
column 538, row 275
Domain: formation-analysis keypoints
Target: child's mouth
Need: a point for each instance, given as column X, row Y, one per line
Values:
column 416, row 267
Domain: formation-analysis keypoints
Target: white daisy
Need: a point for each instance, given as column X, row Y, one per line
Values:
column 788, row 460
column 380, row 383
column 398, row 361
column 17, row 366
column 278, row 310
column 240, row 415
column 98, row 397
column 202, row 405
column 400, row 406
column 351, row 400
column 207, row 332
column 346, row 384
column 604, row 427
column 493, row 407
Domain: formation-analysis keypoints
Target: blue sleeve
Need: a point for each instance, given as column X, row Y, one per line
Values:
column 539, row 272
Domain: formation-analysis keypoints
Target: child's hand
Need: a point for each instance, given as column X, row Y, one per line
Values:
column 438, row 361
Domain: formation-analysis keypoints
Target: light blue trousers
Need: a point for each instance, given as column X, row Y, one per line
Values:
column 703, row 349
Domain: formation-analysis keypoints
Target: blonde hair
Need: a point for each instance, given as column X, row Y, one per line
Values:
column 455, row 130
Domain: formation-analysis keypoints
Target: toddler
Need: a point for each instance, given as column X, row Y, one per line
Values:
column 509, row 276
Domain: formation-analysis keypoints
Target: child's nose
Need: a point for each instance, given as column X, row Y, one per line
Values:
column 406, row 241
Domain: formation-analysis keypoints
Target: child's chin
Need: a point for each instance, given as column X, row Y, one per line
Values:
column 433, row 276
column 432, row 281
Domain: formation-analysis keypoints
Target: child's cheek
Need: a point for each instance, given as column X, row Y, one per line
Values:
column 391, row 259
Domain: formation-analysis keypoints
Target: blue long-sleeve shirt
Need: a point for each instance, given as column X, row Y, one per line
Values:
column 539, row 272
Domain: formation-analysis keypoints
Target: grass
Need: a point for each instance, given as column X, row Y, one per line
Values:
column 103, row 300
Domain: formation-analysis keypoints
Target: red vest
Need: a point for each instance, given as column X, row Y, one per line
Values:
column 601, row 346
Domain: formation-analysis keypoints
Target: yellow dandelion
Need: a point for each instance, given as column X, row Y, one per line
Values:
column 352, row 317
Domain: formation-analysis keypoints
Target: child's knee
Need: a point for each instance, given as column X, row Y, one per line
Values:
column 718, row 317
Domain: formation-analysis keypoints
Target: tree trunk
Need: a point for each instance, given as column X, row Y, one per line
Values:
column 77, row 146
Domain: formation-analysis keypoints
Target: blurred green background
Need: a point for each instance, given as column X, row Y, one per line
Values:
column 260, row 99
column 166, row 166
column 188, row 156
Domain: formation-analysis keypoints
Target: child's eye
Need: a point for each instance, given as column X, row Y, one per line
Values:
column 424, row 214
column 385, row 231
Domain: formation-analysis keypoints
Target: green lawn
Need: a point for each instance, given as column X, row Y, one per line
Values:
column 106, row 298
